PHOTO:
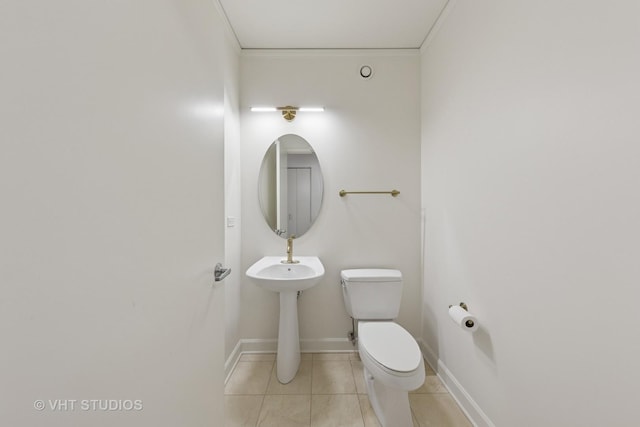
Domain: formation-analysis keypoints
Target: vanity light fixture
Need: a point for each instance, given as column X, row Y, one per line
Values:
column 263, row 109
column 288, row 112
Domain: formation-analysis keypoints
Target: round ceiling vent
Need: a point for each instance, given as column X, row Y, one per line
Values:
column 366, row 72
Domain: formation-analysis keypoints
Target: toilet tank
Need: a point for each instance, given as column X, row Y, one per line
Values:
column 372, row 293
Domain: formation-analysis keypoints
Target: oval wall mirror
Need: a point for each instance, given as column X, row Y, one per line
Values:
column 290, row 186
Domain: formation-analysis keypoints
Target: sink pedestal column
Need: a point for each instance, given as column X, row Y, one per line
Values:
column 288, row 358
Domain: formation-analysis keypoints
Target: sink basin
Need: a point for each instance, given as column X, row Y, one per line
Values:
column 287, row 279
column 271, row 274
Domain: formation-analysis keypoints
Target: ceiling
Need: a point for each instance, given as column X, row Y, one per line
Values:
column 331, row 24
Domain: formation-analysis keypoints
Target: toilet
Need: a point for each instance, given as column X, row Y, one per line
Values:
column 392, row 360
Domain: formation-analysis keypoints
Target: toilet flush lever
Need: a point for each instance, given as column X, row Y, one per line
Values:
column 220, row 273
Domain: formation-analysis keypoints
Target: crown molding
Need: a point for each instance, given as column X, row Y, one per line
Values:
column 228, row 29
column 444, row 13
column 330, row 52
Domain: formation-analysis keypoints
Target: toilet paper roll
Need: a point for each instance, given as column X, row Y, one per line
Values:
column 463, row 318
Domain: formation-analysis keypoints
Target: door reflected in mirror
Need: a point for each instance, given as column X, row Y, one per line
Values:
column 290, row 186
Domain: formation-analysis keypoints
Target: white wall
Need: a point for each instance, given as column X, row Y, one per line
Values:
column 530, row 179
column 367, row 139
column 111, row 180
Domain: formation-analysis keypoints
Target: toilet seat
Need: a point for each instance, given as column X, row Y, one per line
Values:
column 390, row 346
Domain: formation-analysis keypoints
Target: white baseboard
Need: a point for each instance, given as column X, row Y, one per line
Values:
column 231, row 362
column 327, row 345
column 469, row 406
column 429, row 356
column 258, row 346
column 322, row 345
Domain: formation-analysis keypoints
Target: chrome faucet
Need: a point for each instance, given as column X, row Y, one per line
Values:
column 290, row 259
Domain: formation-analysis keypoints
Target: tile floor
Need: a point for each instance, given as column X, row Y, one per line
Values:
column 328, row 391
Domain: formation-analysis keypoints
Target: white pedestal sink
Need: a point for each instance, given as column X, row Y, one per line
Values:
column 287, row 279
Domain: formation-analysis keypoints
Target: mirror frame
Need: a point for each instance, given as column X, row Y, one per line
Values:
column 277, row 197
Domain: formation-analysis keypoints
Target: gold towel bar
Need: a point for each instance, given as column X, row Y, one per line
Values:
column 393, row 193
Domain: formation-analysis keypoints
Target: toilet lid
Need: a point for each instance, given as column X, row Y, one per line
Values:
column 390, row 345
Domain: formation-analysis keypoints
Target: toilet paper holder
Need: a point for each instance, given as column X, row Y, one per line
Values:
column 463, row 305
column 468, row 323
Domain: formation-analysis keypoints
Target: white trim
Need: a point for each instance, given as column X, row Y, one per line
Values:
column 228, row 29
column 429, row 356
column 437, row 24
column 231, row 362
column 466, row 403
column 329, row 52
column 327, row 345
column 469, row 406
column 257, row 346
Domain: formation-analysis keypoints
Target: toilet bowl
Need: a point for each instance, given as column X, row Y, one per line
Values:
column 393, row 366
column 392, row 361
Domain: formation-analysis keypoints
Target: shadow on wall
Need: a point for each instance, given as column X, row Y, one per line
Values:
column 482, row 340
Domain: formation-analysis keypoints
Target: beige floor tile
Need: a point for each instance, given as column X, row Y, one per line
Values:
column 413, row 419
column 432, row 384
column 258, row 357
column 331, row 356
column 437, row 410
column 368, row 415
column 249, row 378
column 242, row 411
column 332, row 377
column 358, row 375
column 336, row 410
column 354, row 356
column 301, row 383
column 428, row 369
column 285, row 411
